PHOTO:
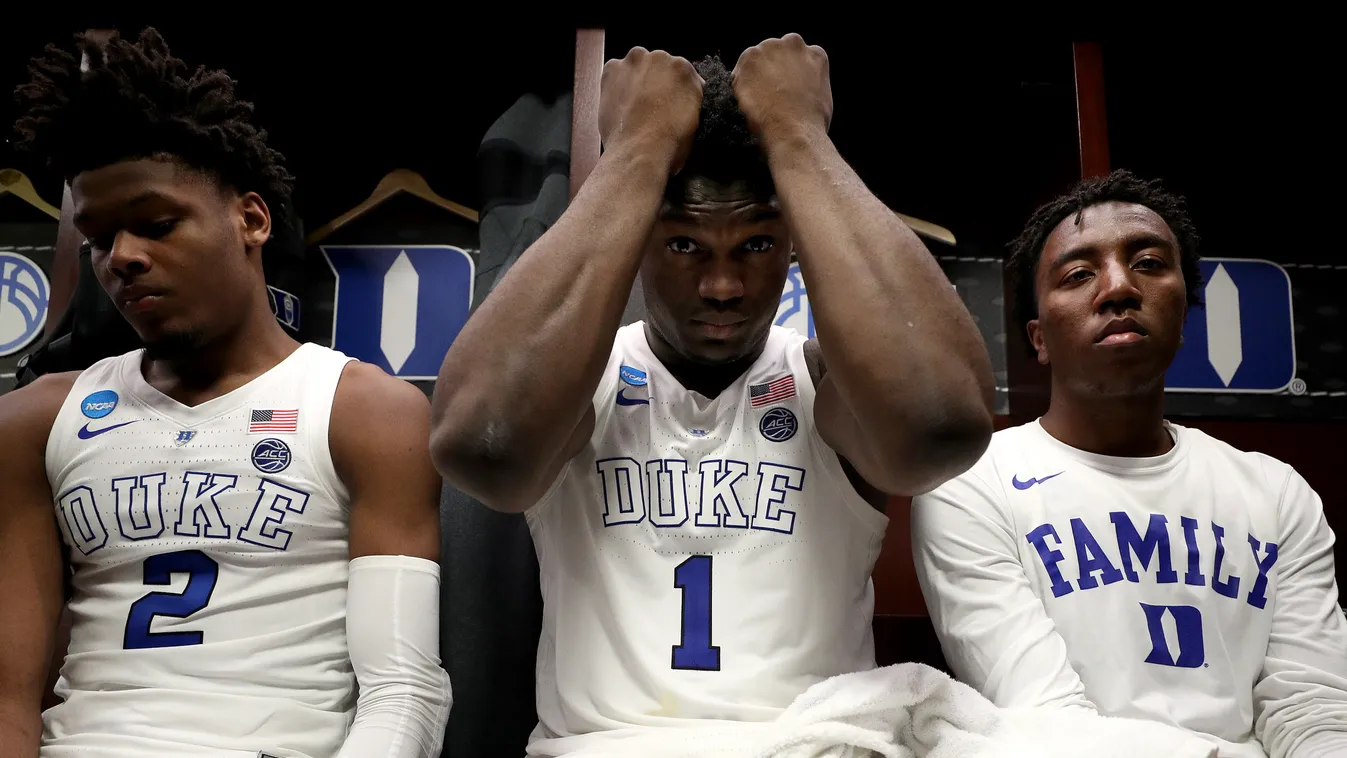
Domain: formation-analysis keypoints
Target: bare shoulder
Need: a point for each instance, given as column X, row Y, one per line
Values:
column 28, row 413
column 376, row 414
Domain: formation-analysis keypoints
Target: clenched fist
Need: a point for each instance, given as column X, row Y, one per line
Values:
column 784, row 83
column 652, row 100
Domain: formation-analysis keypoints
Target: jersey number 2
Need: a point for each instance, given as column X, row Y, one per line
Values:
column 695, row 651
column 159, row 570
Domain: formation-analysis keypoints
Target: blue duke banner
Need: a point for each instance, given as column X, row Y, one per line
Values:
column 1243, row 340
column 400, row 306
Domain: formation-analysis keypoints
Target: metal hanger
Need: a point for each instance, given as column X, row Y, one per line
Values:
column 400, row 180
column 13, row 182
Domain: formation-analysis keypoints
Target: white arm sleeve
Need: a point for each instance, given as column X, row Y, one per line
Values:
column 393, row 632
column 1300, row 699
column 993, row 629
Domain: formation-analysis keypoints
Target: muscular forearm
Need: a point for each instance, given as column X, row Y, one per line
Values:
column 20, row 731
column 896, row 339
column 524, row 369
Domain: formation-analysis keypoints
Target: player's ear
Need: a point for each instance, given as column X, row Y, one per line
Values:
column 255, row 219
column 1036, row 341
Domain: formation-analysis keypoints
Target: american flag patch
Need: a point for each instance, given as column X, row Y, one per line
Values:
column 270, row 421
column 771, row 392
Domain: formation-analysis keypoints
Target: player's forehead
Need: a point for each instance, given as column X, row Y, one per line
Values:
column 1103, row 227
column 702, row 201
column 131, row 185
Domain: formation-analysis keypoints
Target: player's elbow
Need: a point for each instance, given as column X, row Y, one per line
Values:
column 935, row 451
column 480, row 460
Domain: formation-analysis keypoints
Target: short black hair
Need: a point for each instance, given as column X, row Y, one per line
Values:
column 1120, row 185
column 723, row 149
column 115, row 100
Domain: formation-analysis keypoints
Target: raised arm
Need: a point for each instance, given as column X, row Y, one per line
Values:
column 380, row 442
column 30, row 562
column 908, row 394
column 993, row 629
column 1300, row 699
column 514, row 400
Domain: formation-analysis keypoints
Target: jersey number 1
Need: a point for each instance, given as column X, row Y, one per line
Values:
column 695, row 651
column 202, row 573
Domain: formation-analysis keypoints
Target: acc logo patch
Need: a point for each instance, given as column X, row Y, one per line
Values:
column 400, row 306
column 99, row 404
column 24, row 293
column 633, row 376
column 271, row 456
column 778, row 424
column 183, row 437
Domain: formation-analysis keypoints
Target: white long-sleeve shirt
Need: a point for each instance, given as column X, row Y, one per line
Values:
column 1195, row 588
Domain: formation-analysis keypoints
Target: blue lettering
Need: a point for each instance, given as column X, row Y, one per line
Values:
column 1091, row 558
column 1156, row 540
column 1039, row 539
column 1228, row 587
column 1193, row 577
column 1258, row 595
column 1187, row 624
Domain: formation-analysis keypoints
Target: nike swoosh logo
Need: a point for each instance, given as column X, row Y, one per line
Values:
column 85, row 433
column 624, row 400
column 1015, row 480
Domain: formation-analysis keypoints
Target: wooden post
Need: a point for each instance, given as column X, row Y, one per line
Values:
column 1091, row 115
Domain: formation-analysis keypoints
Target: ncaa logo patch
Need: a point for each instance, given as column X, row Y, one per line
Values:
column 633, row 376
column 24, row 294
column 99, row 404
column 271, row 456
column 778, row 424
column 400, row 307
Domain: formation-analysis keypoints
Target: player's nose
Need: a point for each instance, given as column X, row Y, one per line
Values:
column 129, row 255
column 722, row 281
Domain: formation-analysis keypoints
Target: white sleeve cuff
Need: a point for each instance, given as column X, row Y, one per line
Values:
column 393, row 633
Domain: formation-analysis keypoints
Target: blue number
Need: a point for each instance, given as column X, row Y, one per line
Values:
column 159, row 569
column 695, row 651
column 1188, row 623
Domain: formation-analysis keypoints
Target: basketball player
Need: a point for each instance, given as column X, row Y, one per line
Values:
column 706, row 490
column 252, row 523
column 1102, row 557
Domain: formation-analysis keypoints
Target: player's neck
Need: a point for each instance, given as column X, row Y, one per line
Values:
column 221, row 365
column 704, row 379
column 1131, row 426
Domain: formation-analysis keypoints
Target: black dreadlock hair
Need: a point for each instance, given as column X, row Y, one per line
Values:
column 123, row 101
column 723, row 149
column 1123, row 186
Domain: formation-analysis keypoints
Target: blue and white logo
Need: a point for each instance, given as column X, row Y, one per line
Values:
column 400, row 307
column 24, row 295
column 184, row 437
column 1244, row 339
column 778, row 424
column 794, row 312
column 271, row 456
column 284, row 306
column 633, row 376
column 99, row 404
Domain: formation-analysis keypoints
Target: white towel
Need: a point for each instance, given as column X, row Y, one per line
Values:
column 910, row 711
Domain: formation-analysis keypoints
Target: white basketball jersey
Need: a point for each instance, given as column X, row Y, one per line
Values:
column 210, row 555
column 701, row 559
column 1161, row 575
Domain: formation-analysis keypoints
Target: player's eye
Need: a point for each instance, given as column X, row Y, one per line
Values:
column 1079, row 275
column 1150, row 262
column 157, row 229
column 682, row 245
column 759, row 244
